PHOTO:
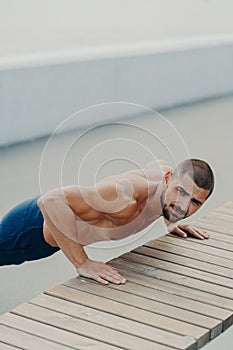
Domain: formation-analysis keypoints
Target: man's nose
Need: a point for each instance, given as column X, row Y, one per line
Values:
column 184, row 204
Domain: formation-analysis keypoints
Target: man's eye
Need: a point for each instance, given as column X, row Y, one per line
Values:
column 180, row 190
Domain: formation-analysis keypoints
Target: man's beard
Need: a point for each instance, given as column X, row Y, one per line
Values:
column 171, row 217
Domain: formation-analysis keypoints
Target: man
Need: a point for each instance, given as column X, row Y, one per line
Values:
column 72, row 217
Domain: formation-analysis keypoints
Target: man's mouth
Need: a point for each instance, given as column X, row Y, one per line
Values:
column 176, row 211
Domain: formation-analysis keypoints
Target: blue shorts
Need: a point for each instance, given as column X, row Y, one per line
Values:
column 21, row 235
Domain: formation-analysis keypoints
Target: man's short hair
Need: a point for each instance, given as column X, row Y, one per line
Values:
column 199, row 171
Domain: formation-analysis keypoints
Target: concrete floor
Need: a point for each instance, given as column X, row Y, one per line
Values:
column 206, row 129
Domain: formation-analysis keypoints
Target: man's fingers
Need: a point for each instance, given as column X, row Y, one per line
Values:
column 101, row 280
column 179, row 232
column 182, row 231
column 106, row 277
column 203, row 233
column 193, row 231
column 107, row 274
column 111, row 279
column 100, row 272
column 114, row 273
column 113, row 276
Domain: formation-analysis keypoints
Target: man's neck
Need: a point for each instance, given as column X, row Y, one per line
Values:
column 155, row 199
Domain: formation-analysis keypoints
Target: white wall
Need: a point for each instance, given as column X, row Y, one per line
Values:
column 44, row 25
column 57, row 57
column 35, row 100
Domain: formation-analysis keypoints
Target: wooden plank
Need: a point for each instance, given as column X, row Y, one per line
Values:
column 80, row 326
column 223, row 226
column 181, row 270
column 215, row 227
column 27, row 341
column 189, row 252
column 214, row 235
column 4, row 346
column 128, row 293
column 196, row 245
column 183, row 260
column 167, row 331
column 71, row 308
column 223, row 249
column 92, row 330
column 146, row 304
column 210, row 227
column 177, row 289
column 175, row 278
column 219, row 218
column 225, row 218
column 225, row 211
column 216, row 240
column 228, row 205
column 51, row 333
column 168, row 297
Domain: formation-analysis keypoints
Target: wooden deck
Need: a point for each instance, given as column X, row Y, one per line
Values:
column 178, row 296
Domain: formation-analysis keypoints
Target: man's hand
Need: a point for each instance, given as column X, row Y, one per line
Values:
column 184, row 230
column 100, row 272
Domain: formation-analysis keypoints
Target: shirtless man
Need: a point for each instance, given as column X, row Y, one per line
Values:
column 72, row 217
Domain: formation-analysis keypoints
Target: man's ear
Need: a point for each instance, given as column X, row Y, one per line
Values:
column 167, row 177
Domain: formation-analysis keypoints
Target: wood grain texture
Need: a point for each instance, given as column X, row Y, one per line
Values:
column 27, row 341
column 187, row 251
column 172, row 256
column 7, row 347
column 93, row 330
column 52, row 333
column 162, row 324
column 188, row 318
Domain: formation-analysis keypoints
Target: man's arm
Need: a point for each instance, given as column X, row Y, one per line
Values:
column 60, row 220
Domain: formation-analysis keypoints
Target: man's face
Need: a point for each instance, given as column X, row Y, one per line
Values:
column 182, row 198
